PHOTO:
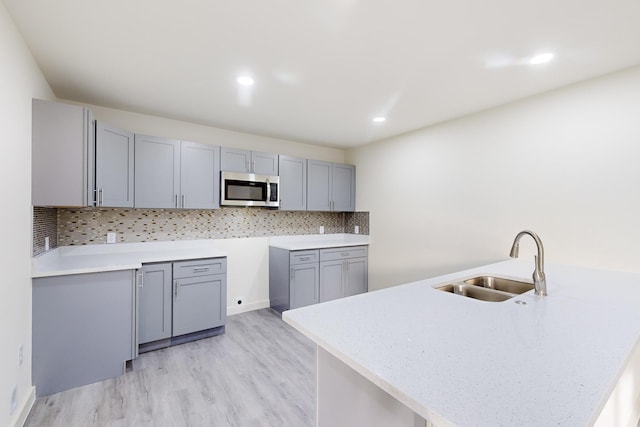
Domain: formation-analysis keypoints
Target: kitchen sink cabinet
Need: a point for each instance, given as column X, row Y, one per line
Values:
column 181, row 301
column 83, row 329
column 176, row 174
column 330, row 186
column 303, row 277
column 113, row 166
column 238, row 160
column 293, row 183
column 62, row 154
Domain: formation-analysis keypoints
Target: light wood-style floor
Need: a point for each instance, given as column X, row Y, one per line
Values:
column 261, row 372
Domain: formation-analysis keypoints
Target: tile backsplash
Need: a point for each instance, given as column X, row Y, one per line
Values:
column 45, row 224
column 84, row 226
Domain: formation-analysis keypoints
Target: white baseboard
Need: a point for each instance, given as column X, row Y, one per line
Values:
column 237, row 309
column 20, row 417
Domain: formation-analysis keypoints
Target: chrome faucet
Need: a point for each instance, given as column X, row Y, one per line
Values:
column 539, row 279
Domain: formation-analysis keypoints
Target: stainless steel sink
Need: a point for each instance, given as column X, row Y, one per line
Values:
column 487, row 288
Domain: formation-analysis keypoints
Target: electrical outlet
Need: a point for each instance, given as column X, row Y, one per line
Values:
column 322, row 229
column 356, row 229
column 20, row 355
column 111, row 237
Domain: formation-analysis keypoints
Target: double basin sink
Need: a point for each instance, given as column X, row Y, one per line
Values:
column 487, row 288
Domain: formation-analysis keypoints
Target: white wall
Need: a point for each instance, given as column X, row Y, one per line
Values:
column 564, row 164
column 20, row 80
column 159, row 126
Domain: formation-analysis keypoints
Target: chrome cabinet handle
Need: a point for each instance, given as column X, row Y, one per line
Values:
column 304, row 258
column 246, row 165
column 176, row 200
column 176, row 285
column 100, row 197
column 183, row 201
column 141, row 285
column 200, row 269
column 253, row 166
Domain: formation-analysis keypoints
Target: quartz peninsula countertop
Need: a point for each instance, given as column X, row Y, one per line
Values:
column 317, row 241
column 118, row 256
column 457, row 361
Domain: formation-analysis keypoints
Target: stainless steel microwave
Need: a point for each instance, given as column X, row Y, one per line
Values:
column 248, row 189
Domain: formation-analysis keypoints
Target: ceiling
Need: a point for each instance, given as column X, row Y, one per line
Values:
column 323, row 69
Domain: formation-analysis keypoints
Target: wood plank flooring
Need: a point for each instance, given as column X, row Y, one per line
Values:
column 261, row 372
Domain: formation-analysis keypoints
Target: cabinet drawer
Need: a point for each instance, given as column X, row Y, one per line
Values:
column 303, row 257
column 343, row 253
column 199, row 267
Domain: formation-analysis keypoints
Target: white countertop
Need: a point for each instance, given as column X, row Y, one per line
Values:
column 317, row 241
column 463, row 362
column 118, row 256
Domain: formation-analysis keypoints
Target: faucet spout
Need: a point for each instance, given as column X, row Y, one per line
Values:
column 539, row 278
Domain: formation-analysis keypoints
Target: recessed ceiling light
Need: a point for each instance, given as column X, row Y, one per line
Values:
column 245, row 80
column 541, row 58
column 379, row 119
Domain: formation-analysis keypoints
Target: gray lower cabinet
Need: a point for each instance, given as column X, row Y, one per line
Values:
column 330, row 186
column 343, row 272
column 83, row 329
column 181, row 298
column 305, row 277
column 154, row 302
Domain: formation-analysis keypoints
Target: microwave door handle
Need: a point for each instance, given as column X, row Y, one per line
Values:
column 268, row 192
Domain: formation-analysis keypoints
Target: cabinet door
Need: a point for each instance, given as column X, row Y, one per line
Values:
column 235, row 160
column 318, row 185
column 199, row 176
column 154, row 316
column 264, row 163
column 331, row 280
column 343, row 188
column 293, row 183
column 304, row 285
column 82, row 329
column 61, row 154
column 199, row 303
column 356, row 276
column 114, row 166
column 157, row 172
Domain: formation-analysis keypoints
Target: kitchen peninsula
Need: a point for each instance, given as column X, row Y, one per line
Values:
column 413, row 355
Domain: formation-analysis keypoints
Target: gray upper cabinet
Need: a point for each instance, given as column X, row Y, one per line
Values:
column 199, row 175
column 238, row 160
column 293, row 183
column 113, row 166
column 343, row 187
column 154, row 302
column 175, row 174
column 61, row 154
column 157, row 172
column 330, row 186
